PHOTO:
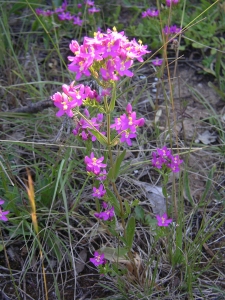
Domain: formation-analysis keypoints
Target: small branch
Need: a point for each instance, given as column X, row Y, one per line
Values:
column 34, row 107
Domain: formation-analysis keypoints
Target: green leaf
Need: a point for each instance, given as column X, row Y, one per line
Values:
column 113, row 254
column 114, row 170
column 113, row 100
column 135, row 203
column 35, row 25
column 197, row 45
column 111, row 174
column 113, row 200
column 17, row 7
column 128, row 209
column 148, row 220
column 139, row 213
column 208, row 185
column 217, row 90
column 1, row 247
column 100, row 137
column 118, row 163
column 187, row 189
column 130, row 231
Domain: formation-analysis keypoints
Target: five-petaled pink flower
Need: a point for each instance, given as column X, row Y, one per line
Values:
column 98, row 259
column 94, row 164
column 163, row 220
column 99, row 192
column 3, row 213
column 157, row 62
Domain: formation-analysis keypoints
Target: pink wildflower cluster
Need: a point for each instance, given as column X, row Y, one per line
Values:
column 164, row 157
column 98, row 259
column 106, row 215
column 167, row 30
column 64, row 15
column 3, row 213
column 83, row 127
column 150, row 13
column 163, row 220
column 112, row 55
column 72, row 96
column 170, row 2
column 94, row 164
column 126, row 125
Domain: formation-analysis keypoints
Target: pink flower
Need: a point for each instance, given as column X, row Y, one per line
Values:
column 171, row 30
column 104, row 205
column 106, row 215
column 98, row 259
column 153, row 13
column 113, row 47
column 126, row 136
column 164, row 156
column 157, row 62
column 79, row 5
column 150, row 13
column 94, row 164
column 163, row 220
column 126, row 125
column 170, row 2
column 102, row 176
column 99, row 192
column 63, row 103
column 3, row 213
column 89, row 3
column 93, row 10
column 122, row 67
column 77, row 21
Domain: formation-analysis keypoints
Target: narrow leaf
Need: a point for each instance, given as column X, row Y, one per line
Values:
column 113, row 100
column 130, row 231
column 113, row 200
column 128, row 209
column 118, row 162
column 100, row 137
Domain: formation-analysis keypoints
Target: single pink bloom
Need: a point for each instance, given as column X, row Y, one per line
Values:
column 93, row 10
column 98, row 259
column 94, row 164
column 163, row 220
column 99, row 192
column 157, row 62
column 3, row 213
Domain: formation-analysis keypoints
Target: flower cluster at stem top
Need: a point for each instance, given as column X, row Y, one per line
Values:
column 163, row 157
column 110, row 55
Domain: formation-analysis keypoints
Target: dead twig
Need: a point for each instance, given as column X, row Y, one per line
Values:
column 34, row 107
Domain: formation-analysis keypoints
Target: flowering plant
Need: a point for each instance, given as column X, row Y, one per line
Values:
column 107, row 57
